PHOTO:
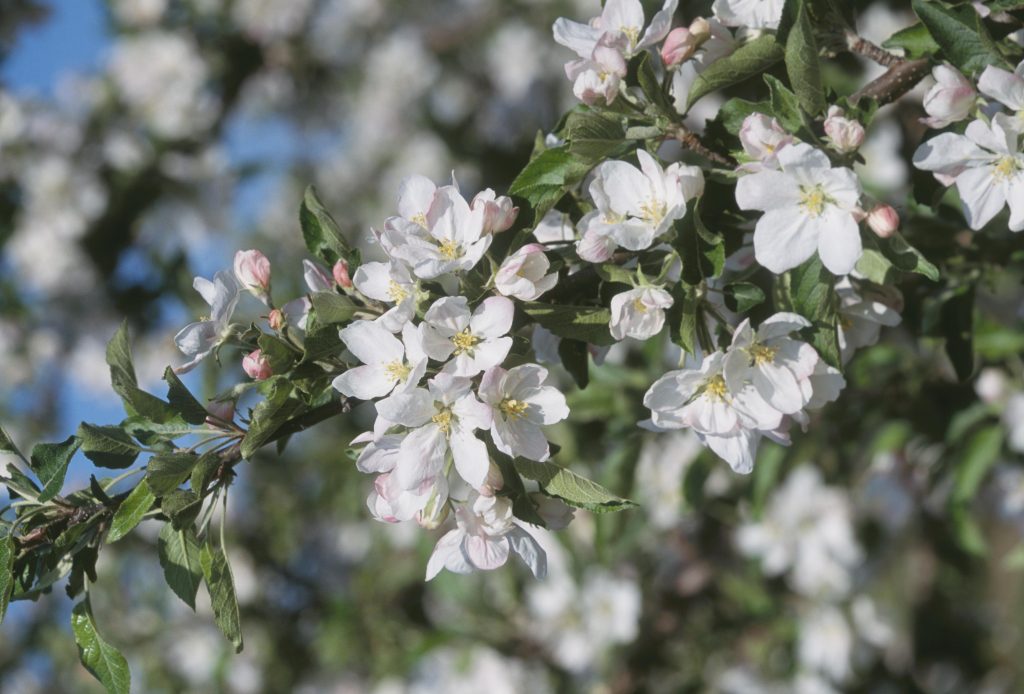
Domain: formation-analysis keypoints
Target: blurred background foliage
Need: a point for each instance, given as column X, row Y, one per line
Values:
column 143, row 141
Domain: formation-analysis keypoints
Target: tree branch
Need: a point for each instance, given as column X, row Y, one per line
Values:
column 691, row 142
column 897, row 81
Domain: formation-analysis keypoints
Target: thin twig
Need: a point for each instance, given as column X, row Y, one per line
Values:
column 861, row 46
column 897, row 81
column 691, row 142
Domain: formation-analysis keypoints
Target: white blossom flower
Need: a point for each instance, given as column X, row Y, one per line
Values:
column 861, row 317
column 728, row 421
column 442, row 417
column 807, row 531
column 755, row 14
column 487, row 533
column 809, row 206
column 845, row 134
column 777, row 366
column 596, row 244
column 477, row 341
column 390, row 283
column 639, row 313
column 387, row 362
column 826, row 643
column 621, row 18
column 950, row 100
column 762, row 138
column 719, row 44
column 520, row 405
column 597, row 78
column 198, row 339
column 555, row 227
column 524, row 276
column 986, row 163
column 1007, row 88
column 499, row 211
column 639, row 205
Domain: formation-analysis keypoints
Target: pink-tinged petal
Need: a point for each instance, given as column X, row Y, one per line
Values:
column 710, row 415
column 470, row 456
column 374, row 280
column 197, row 338
column 410, row 409
column 486, row 553
column 525, row 377
column 371, row 343
column 767, row 190
column 983, row 199
column 529, row 550
column 736, row 368
column 839, row 243
column 450, row 544
column 785, row 238
column 379, row 456
column 577, row 37
column 754, row 411
column 493, row 318
column 420, row 457
column 739, row 449
column 364, row 383
column 661, row 22
column 522, row 437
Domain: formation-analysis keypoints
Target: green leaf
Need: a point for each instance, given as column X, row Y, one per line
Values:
column 206, row 467
column 874, row 265
column 547, row 177
column 122, row 378
column 803, row 65
column 961, row 34
column 684, row 318
column 129, row 514
column 181, row 506
column 50, row 463
column 6, row 570
column 702, row 252
column 219, row 582
column 332, row 308
column 810, row 291
column 584, row 323
column 167, row 471
column 7, row 445
column 281, row 355
column 748, row 60
column 319, row 230
column 107, row 446
column 179, row 557
column 785, row 105
column 980, row 454
column 916, row 42
column 269, row 415
column 572, row 488
column 592, row 137
column 576, row 360
column 907, row 258
column 651, row 86
column 743, row 296
column 103, row 661
column 190, row 409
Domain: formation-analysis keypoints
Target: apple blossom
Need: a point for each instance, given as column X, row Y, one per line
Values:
column 597, row 78
column 596, row 244
column 809, row 206
column 680, row 45
column 718, row 44
column 474, row 342
column 499, row 211
column 884, row 220
column 276, row 320
column 387, row 362
column 554, row 228
column 620, row 18
column 987, row 165
column 755, row 14
column 257, row 365
column 639, row 205
column 486, row 534
column 252, row 269
column 198, row 339
column 389, row 283
column 777, row 366
column 762, row 138
column 861, row 317
column 520, row 406
column 524, row 276
column 340, row 274
column 317, row 278
column 639, row 313
column 1007, row 88
column 950, row 100
column 845, row 134
column 415, row 198
column 440, row 418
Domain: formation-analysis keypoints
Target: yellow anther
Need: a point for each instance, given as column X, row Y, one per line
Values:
column 814, row 200
column 653, row 211
column 632, row 33
column 421, row 219
column 639, row 306
column 715, row 387
column 763, row 354
column 513, row 408
column 443, row 420
column 1006, row 168
column 397, row 370
column 464, row 341
column 449, row 249
column 395, row 291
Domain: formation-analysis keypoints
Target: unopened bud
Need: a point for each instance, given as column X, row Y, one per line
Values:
column 252, row 269
column 256, row 365
column 494, row 482
column 276, row 320
column 499, row 211
column 680, row 45
column 884, row 220
column 700, row 28
column 846, row 134
column 340, row 272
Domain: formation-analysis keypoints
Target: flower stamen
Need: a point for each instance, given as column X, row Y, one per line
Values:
column 715, row 387
column 443, row 420
column 464, row 341
column 396, row 292
column 448, row 249
column 513, row 408
column 397, row 370
column 762, row 354
column 814, row 200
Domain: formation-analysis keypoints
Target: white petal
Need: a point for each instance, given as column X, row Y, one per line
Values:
column 739, row 449
column 529, row 550
column 449, row 544
column 364, row 382
column 470, row 456
column 839, row 243
column 411, row 409
column 486, row 553
column 767, row 190
column 784, row 238
column 493, row 318
column 421, row 456
column 983, row 199
column 371, row 342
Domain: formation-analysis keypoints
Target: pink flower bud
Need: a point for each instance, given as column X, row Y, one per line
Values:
column 950, row 100
column 499, row 212
column 252, row 269
column 276, row 320
column 340, row 272
column 884, row 220
column 846, row 134
column 256, row 365
column 679, row 45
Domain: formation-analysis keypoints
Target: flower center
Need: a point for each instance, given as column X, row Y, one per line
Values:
column 715, row 388
column 632, row 33
column 464, row 341
column 443, row 420
column 420, row 218
column 397, row 370
column 449, row 250
column 814, row 200
column 513, row 408
column 653, row 211
column 1006, row 168
column 762, row 354
column 396, row 292
column 640, row 306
